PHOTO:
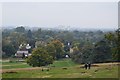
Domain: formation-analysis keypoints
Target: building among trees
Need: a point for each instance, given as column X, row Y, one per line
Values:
column 23, row 51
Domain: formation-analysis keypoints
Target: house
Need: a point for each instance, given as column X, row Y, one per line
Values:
column 23, row 51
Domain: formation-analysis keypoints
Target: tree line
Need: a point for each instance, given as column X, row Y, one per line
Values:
column 81, row 46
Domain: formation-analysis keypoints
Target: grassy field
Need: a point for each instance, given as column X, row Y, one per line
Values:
column 59, row 69
column 13, row 65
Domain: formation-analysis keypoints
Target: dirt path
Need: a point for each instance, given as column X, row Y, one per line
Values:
column 102, row 64
column 114, row 63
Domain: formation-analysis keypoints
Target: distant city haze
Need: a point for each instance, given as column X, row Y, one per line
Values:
column 97, row 15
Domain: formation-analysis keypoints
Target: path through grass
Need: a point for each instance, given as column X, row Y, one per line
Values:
column 72, row 71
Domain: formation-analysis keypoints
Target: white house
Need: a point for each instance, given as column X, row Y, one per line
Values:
column 21, row 53
column 23, row 50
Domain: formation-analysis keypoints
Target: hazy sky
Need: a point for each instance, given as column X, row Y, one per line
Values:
column 52, row 14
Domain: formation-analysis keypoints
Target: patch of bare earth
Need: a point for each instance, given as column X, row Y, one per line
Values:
column 114, row 63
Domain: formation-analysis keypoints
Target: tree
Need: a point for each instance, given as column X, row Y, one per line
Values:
column 58, row 47
column 76, row 55
column 20, row 29
column 29, row 34
column 8, row 49
column 51, row 50
column 39, row 57
column 118, row 44
column 82, row 56
column 114, row 42
column 102, row 52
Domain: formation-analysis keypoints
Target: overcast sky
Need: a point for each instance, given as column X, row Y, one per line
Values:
column 51, row 14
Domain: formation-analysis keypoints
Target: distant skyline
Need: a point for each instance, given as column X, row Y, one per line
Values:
column 51, row 14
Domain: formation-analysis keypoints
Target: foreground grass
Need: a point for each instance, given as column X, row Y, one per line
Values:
column 63, row 63
column 13, row 65
column 59, row 63
column 72, row 71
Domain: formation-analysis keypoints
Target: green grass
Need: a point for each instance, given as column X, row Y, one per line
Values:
column 60, row 73
column 59, row 63
column 73, row 71
column 63, row 63
column 13, row 65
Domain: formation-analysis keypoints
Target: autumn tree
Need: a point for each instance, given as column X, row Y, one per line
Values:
column 56, row 49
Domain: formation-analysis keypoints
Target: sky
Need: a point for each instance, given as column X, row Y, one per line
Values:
column 52, row 14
